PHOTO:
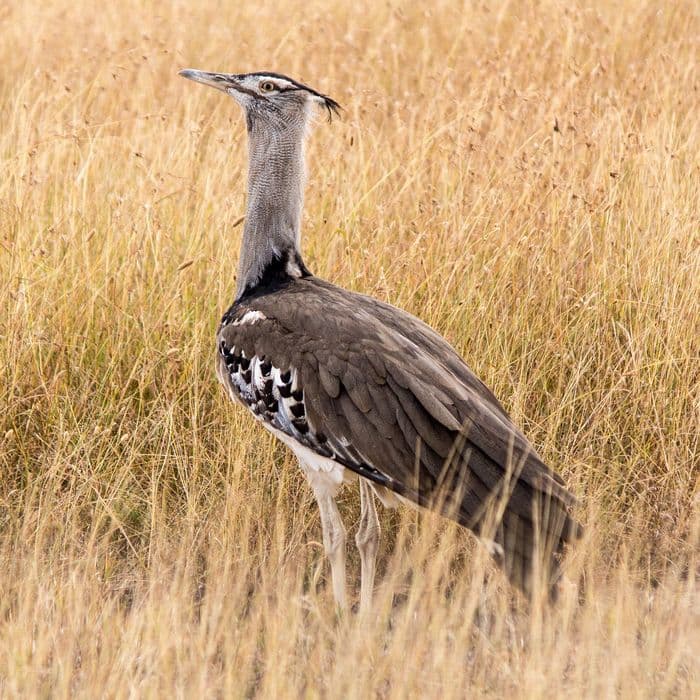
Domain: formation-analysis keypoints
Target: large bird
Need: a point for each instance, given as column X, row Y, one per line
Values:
column 356, row 387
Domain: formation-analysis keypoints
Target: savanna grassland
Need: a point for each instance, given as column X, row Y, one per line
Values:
column 524, row 176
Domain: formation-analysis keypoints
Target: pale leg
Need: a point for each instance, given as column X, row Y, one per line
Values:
column 367, row 540
column 333, row 542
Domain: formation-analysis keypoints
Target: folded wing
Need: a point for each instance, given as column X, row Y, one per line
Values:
column 377, row 390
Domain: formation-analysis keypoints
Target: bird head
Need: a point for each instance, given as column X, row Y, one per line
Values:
column 268, row 99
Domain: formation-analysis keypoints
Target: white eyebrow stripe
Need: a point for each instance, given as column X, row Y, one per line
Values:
column 279, row 82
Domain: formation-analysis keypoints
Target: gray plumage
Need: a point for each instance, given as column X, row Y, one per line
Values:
column 362, row 384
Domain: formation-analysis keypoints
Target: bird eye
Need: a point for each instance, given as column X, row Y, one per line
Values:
column 267, row 86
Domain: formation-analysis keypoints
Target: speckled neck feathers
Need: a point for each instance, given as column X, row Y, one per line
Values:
column 276, row 175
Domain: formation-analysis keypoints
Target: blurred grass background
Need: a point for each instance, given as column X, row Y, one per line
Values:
column 524, row 176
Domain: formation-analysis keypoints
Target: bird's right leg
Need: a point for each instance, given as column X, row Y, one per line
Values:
column 367, row 540
column 333, row 541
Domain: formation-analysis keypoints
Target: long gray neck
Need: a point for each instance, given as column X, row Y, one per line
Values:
column 275, row 200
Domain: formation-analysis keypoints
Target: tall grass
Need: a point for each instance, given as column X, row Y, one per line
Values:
column 524, row 176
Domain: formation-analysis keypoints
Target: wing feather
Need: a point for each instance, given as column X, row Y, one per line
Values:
column 384, row 402
column 430, row 431
column 436, row 402
column 329, row 382
column 355, row 383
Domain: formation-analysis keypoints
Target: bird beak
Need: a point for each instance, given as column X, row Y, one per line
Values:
column 220, row 81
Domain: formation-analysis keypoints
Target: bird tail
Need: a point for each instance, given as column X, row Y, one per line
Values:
column 523, row 513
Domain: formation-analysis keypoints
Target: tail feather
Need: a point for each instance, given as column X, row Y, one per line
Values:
column 530, row 526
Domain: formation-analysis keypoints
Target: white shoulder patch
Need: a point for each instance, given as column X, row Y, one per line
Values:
column 292, row 269
column 250, row 317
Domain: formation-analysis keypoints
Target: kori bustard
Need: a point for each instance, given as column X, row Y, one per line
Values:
column 358, row 388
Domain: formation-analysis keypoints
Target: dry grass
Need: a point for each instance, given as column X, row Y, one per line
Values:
column 525, row 177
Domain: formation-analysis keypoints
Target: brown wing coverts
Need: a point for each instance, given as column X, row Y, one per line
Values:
column 394, row 402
